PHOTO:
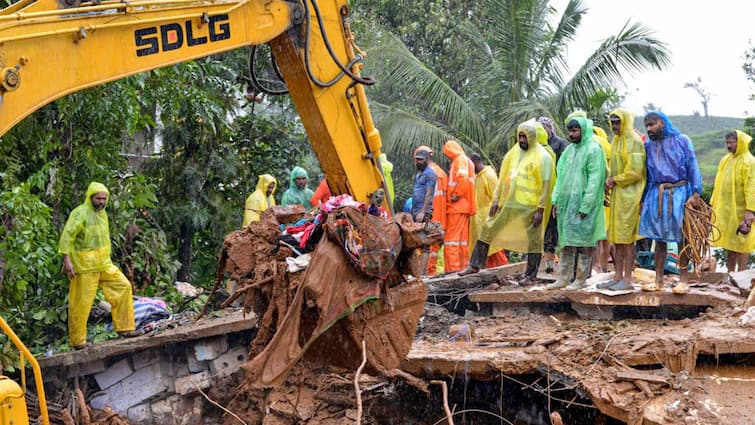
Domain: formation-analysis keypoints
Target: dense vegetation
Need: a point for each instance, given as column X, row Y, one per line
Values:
column 181, row 147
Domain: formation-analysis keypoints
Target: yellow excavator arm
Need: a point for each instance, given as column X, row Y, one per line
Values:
column 50, row 48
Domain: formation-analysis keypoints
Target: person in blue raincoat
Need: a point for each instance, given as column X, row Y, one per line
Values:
column 673, row 178
column 578, row 203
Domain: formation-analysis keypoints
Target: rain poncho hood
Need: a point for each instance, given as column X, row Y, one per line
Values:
column 86, row 235
column 295, row 196
column 669, row 161
column 258, row 202
column 581, row 176
column 460, row 180
column 668, row 129
column 733, row 194
column 524, row 186
column 628, row 172
column 542, row 138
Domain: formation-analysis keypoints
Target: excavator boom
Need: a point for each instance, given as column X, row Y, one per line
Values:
column 47, row 52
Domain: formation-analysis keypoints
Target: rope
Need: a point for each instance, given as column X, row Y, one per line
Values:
column 698, row 231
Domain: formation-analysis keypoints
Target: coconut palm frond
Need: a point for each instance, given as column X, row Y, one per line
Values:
column 552, row 61
column 402, row 131
column 634, row 49
column 420, row 87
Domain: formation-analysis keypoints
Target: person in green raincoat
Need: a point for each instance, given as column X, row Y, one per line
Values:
column 578, row 203
column 298, row 193
column 260, row 200
column 521, row 203
column 85, row 247
column 625, row 185
column 733, row 201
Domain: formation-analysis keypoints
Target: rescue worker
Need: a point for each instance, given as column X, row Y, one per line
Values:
column 422, row 195
column 550, row 240
column 260, row 200
column 578, row 204
column 733, row 201
column 486, row 182
column 435, row 259
column 85, row 246
column 673, row 179
column 298, row 193
column 625, row 185
column 516, row 220
column 460, row 206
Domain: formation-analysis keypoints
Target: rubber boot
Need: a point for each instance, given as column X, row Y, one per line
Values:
column 584, row 264
column 565, row 270
column 478, row 260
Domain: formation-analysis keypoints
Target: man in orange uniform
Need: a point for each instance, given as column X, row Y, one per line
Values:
column 439, row 205
column 460, row 205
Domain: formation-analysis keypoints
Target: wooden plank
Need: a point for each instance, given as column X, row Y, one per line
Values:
column 495, row 274
column 696, row 297
column 228, row 322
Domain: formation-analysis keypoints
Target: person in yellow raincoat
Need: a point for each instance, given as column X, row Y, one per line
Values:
column 486, row 181
column 733, row 201
column 625, row 184
column 387, row 167
column 260, row 200
column 85, row 247
column 517, row 217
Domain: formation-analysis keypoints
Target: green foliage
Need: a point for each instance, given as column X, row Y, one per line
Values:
column 513, row 68
column 33, row 289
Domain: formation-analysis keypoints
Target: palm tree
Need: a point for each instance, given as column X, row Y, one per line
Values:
column 516, row 69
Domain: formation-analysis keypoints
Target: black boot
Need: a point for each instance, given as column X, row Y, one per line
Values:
column 533, row 265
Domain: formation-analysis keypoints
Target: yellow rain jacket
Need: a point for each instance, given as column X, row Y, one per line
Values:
column 387, row 167
column 257, row 202
column 628, row 171
column 86, row 235
column 524, row 185
column 485, row 184
column 733, row 194
column 542, row 139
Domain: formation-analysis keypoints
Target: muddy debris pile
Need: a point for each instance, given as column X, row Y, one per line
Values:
column 323, row 285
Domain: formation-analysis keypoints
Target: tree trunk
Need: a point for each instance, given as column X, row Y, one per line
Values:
column 184, row 252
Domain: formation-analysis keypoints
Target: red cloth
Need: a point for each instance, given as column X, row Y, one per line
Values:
column 497, row 259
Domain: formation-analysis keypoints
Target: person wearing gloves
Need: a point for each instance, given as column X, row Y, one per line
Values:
column 733, row 201
column 85, row 247
column 578, row 204
column 260, row 200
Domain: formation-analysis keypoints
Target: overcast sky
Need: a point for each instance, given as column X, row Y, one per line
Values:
column 707, row 39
